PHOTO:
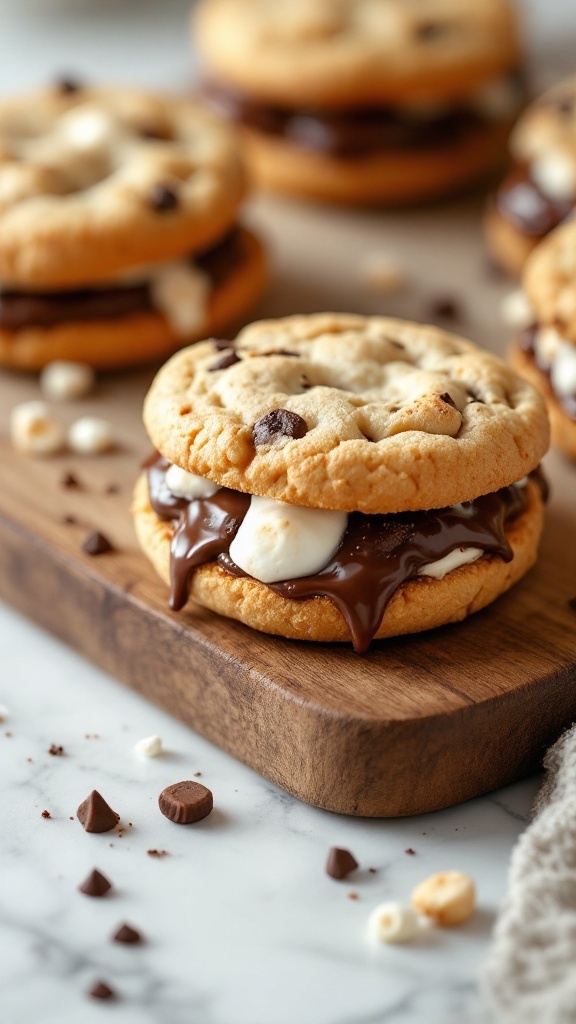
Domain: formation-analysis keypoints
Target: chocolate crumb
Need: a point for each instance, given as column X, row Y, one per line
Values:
column 157, row 853
column 96, row 544
column 30, row 761
column 95, row 885
column 70, row 481
column 410, row 851
column 447, row 398
column 340, row 863
column 163, row 198
column 126, row 934
column 100, row 990
column 46, row 814
column 278, row 423
column 445, row 308
column 56, row 751
column 222, row 364
column 112, row 489
column 71, row 817
column 373, row 871
column 69, row 520
column 352, row 896
column 95, row 815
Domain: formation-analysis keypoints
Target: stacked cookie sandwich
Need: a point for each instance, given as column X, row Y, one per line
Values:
column 334, row 477
column 365, row 101
column 540, row 190
column 118, row 233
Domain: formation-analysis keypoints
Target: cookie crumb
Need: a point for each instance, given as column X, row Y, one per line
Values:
column 101, row 990
column 46, row 814
column 410, row 852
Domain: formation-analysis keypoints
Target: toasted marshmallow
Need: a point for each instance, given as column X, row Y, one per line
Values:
column 189, row 486
column 34, row 431
column 180, row 291
column 516, row 310
column 563, row 370
column 277, row 541
column 555, row 175
column 461, row 556
column 62, row 381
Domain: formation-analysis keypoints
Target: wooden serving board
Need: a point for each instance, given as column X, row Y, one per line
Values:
column 418, row 723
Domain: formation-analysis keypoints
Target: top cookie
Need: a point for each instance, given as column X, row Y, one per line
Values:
column 348, row 412
column 549, row 281
column 350, row 52
column 96, row 181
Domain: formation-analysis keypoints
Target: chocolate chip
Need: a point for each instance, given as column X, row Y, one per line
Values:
column 68, row 86
column 112, row 489
column 97, row 544
column 100, row 990
column 95, row 815
column 69, row 520
column 428, row 30
column 70, row 481
column 572, row 603
column 410, row 851
column 95, row 885
column 56, row 751
column 278, row 422
column 155, row 131
column 222, row 364
column 221, row 345
column 46, row 814
column 163, row 198
column 340, row 863
column 185, row 802
column 564, row 105
column 445, row 308
column 127, row 935
column 448, row 399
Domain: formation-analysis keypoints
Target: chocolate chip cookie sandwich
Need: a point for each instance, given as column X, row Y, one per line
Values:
column 338, row 478
column 540, row 190
column 364, row 101
column 119, row 239
column 544, row 350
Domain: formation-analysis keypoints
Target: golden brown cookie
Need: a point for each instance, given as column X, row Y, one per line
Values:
column 138, row 337
column 563, row 425
column 549, row 281
column 348, row 412
column 364, row 100
column 540, row 190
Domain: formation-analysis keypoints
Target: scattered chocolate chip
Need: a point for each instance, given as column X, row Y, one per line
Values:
column 163, row 198
column 445, row 397
column 70, row 481
column 112, row 489
column 46, row 814
column 186, row 802
column 340, row 863
column 278, row 422
column 56, row 751
column 68, row 85
column 352, row 896
column 155, row 131
column 127, row 935
column 445, row 308
column 157, row 853
column 222, row 345
column 222, row 364
column 428, row 30
column 95, row 815
column 96, row 544
column 410, row 851
column 100, row 990
column 69, row 520
column 95, row 885
column 572, row 603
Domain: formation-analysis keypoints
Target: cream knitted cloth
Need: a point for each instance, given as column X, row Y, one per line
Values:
column 530, row 975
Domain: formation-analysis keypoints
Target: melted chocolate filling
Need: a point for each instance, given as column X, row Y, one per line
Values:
column 527, row 342
column 522, row 203
column 348, row 133
column 377, row 555
column 46, row 309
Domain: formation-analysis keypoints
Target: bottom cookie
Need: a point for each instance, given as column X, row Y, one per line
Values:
column 420, row 604
column 563, row 425
column 140, row 337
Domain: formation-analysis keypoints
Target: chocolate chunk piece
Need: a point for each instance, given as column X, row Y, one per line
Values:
column 445, row 397
column 445, row 308
column 96, row 884
column 55, row 750
column 227, row 360
column 163, row 198
column 95, row 815
column 278, row 422
column 127, row 935
column 186, row 802
column 67, row 85
column 429, row 30
column 572, row 603
column 340, row 863
column 69, row 481
column 96, row 544
column 46, row 814
column 410, row 852
column 101, row 990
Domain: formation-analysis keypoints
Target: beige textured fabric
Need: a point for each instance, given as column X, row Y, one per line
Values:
column 530, row 975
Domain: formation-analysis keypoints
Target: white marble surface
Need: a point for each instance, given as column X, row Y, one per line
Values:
column 243, row 926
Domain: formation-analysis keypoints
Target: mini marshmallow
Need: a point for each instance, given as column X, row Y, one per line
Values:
column 181, row 291
column 393, row 922
column 90, row 436
column 277, row 541
column 381, row 273
column 555, row 175
column 34, row 431
column 449, row 898
column 548, row 343
column 87, row 128
column 150, row 746
column 62, row 381
column 462, row 556
column 563, row 370
column 187, row 485
column 516, row 310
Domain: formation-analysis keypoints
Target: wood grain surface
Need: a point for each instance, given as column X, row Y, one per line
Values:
column 417, row 724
